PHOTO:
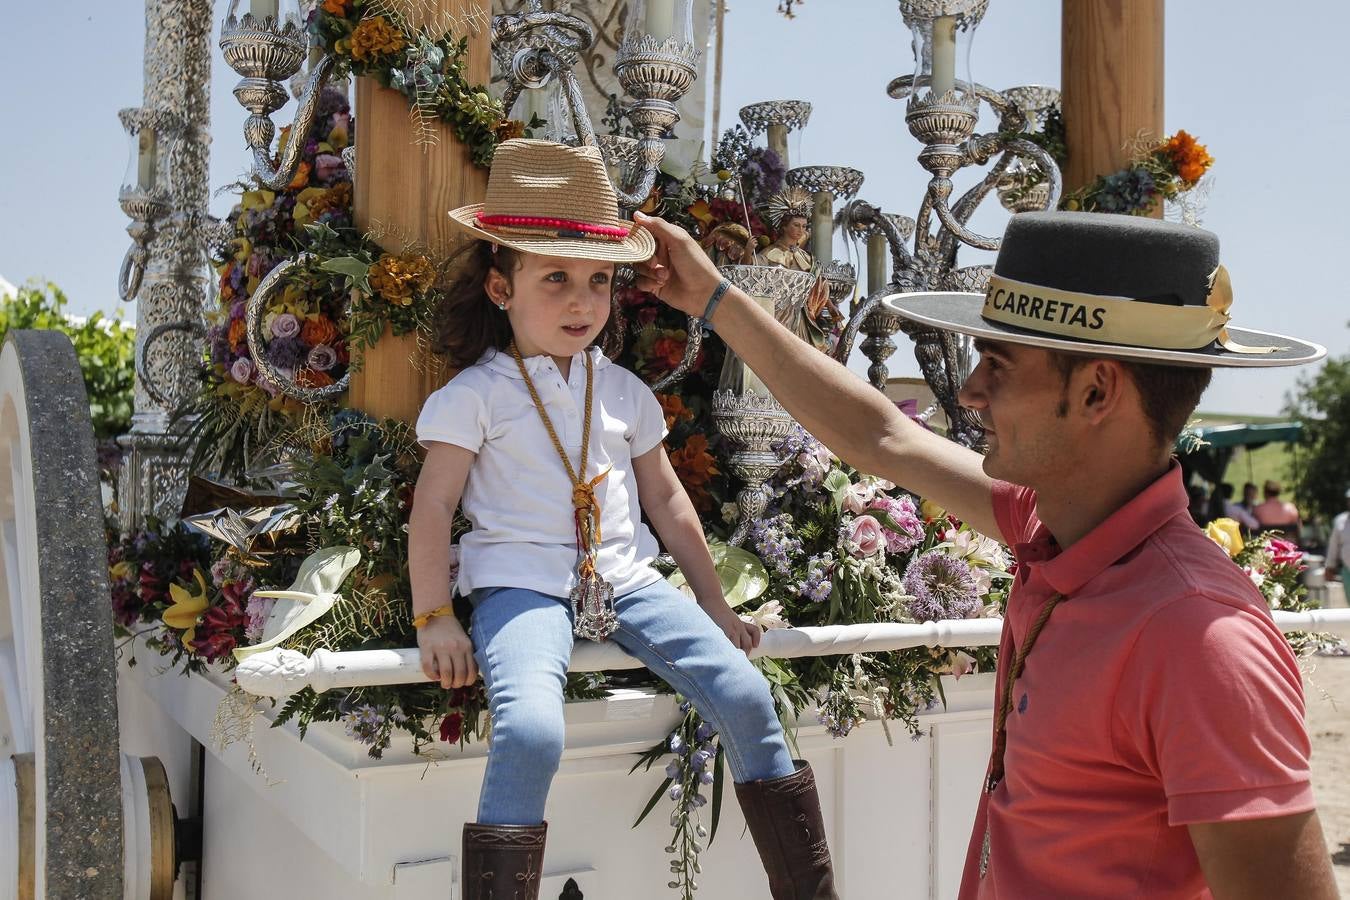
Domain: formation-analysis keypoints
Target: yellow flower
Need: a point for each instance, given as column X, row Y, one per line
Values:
column 374, row 37
column 259, row 199
column 398, row 278
column 930, row 511
column 120, row 571
column 1227, row 534
column 186, row 609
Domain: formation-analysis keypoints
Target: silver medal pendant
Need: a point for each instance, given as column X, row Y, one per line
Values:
column 593, row 608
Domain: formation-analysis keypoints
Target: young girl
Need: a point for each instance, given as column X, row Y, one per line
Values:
column 551, row 448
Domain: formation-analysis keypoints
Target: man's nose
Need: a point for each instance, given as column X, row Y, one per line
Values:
column 971, row 395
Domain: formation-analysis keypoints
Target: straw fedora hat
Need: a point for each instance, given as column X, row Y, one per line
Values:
column 553, row 200
column 1108, row 285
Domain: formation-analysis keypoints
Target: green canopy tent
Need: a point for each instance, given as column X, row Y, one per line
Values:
column 1209, row 456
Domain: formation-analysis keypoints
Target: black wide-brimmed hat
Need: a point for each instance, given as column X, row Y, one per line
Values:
column 1108, row 285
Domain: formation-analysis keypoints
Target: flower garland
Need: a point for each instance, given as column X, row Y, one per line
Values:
column 370, row 38
column 1159, row 171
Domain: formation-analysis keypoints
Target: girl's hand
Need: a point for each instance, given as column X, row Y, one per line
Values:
column 745, row 635
column 680, row 273
column 447, row 653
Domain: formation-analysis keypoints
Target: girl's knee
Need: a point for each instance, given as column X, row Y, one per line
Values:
column 533, row 739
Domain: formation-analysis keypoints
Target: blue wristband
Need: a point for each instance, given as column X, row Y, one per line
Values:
column 715, row 299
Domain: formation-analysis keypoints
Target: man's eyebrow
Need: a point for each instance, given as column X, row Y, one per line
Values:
column 990, row 348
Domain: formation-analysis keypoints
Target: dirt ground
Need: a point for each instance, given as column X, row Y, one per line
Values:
column 1326, row 683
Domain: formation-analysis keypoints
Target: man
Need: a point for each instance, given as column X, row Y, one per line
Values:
column 1278, row 515
column 1338, row 547
column 1248, row 496
column 1149, row 736
column 1236, row 511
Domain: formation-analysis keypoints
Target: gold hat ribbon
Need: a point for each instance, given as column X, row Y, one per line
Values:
column 1117, row 320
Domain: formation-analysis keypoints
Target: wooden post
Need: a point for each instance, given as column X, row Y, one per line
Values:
column 1112, row 76
column 403, row 191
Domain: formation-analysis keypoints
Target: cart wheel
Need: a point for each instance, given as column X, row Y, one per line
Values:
column 68, row 800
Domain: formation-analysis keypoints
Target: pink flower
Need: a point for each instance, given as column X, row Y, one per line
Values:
column 858, row 495
column 242, row 370
column 865, row 537
column 1285, row 553
column 328, row 166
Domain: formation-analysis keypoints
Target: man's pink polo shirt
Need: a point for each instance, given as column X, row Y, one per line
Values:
column 1159, row 694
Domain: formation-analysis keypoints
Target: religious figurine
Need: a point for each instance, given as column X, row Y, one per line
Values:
column 728, row 245
column 789, row 212
column 817, row 319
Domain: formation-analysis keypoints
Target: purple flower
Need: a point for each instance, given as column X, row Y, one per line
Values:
column 817, row 586
column 285, row 326
column 322, row 358
column 286, row 353
column 219, row 339
column 942, row 587
column 242, row 370
column 776, row 543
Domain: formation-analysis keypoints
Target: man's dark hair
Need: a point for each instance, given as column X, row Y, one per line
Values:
column 1226, row 490
column 1169, row 394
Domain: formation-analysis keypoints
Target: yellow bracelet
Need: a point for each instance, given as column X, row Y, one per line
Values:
column 424, row 618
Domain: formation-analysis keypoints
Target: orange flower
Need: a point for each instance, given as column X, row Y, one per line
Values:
column 674, row 409
column 694, row 466
column 318, row 330
column 301, row 178
column 312, row 378
column 1190, row 158
column 236, row 335
column 335, row 7
column 507, row 129
column 338, row 197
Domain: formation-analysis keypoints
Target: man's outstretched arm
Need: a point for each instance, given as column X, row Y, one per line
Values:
column 856, row 421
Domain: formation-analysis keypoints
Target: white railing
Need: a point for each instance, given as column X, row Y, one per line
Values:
column 280, row 673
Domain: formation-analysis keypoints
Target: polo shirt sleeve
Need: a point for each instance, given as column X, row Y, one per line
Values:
column 1015, row 512
column 648, row 426
column 1211, row 702
column 456, row 414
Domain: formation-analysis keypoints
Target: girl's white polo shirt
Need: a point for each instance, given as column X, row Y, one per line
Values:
column 518, row 496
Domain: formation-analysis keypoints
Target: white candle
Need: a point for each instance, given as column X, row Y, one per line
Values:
column 778, row 143
column 146, row 158
column 262, row 9
column 878, row 255
column 660, row 22
column 822, row 223
column 944, row 55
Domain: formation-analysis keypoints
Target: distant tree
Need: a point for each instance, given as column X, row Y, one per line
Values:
column 1322, row 467
column 105, row 347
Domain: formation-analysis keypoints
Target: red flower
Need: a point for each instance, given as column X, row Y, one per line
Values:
column 452, row 727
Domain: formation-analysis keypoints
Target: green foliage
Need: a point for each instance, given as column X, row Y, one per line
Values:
column 1322, row 467
column 105, row 347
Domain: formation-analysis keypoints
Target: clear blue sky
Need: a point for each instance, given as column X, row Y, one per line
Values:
column 1264, row 93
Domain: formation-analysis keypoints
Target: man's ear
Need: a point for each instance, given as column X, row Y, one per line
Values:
column 1102, row 385
column 497, row 286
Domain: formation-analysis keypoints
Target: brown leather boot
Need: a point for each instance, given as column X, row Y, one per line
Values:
column 789, row 832
column 503, row 862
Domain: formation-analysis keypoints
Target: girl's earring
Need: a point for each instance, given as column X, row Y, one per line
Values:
column 502, row 306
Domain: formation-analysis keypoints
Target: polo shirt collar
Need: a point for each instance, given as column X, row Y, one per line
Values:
column 502, row 361
column 1122, row 531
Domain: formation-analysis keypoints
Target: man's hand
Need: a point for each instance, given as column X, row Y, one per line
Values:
column 1284, row 856
column 680, row 273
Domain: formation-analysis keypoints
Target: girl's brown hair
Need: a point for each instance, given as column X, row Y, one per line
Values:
column 468, row 323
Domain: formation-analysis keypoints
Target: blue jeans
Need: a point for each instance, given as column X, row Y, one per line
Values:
column 523, row 642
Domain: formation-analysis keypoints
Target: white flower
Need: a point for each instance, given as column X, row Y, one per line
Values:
column 769, row 616
column 976, row 549
column 730, row 513
column 983, row 580
column 1257, row 578
column 1276, row 595
column 962, row 664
